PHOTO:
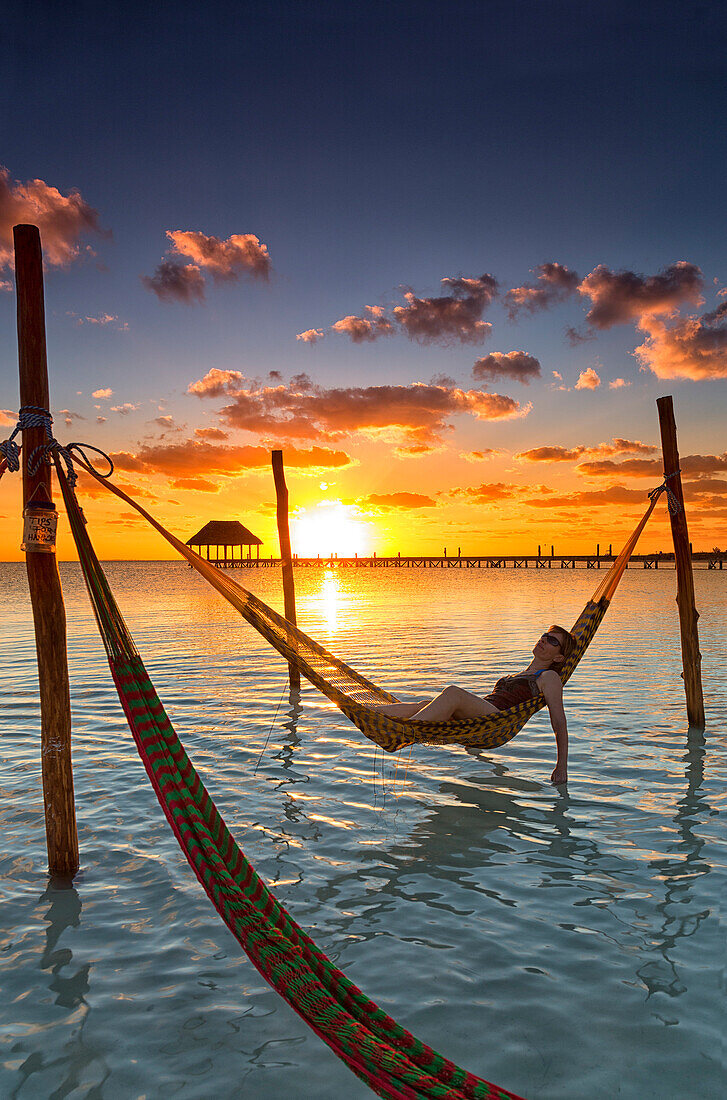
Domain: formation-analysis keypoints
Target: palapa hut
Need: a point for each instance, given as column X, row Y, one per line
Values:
column 224, row 535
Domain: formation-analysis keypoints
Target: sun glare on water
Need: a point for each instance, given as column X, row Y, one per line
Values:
column 330, row 528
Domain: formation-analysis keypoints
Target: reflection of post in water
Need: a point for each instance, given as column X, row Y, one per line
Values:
column 295, row 709
column 64, row 912
column 679, row 873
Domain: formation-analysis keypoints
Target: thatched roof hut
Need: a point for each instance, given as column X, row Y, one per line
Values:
column 224, row 534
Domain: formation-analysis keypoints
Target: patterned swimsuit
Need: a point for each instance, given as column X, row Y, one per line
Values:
column 511, row 690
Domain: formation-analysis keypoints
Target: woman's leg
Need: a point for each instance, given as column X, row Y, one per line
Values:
column 454, row 702
column 402, row 710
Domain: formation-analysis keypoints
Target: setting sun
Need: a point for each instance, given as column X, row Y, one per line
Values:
column 330, row 528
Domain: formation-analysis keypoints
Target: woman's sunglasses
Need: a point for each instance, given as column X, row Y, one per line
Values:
column 551, row 639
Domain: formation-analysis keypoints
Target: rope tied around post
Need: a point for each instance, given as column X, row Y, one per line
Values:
column 671, row 500
column 32, row 416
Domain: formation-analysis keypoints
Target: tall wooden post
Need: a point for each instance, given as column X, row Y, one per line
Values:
column 688, row 614
column 49, row 614
column 281, row 494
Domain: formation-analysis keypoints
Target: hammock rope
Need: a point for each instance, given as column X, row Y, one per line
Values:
column 360, row 699
column 392, row 1061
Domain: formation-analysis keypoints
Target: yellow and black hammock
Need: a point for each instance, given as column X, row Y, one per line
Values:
column 358, row 698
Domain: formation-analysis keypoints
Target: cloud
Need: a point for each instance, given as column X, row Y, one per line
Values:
column 506, row 364
column 210, row 433
column 102, row 393
column 555, row 283
column 692, row 467
column 487, row 492
column 479, row 456
column 124, row 409
column 225, row 260
column 614, row 494
column 175, row 282
column 166, row 422
column 619, row 297
column 693, row 348
column 618, row 383
column 62, row 219
column 6, row 285
column 419, row 412
column 617, row 446
column 456, row 317
column 366, row 328
column 68, row 416
column 190, row 457
column 8, row 418
column 196, row 484
column 588, row 380
column 386, row 502
column 311, row 335
column 103, row 319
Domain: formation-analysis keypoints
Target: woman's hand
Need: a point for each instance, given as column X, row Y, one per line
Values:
column 560, row 774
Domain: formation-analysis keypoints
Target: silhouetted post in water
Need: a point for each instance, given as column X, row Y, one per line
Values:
column 281, row 493
column 46, row 596
column 688, row 614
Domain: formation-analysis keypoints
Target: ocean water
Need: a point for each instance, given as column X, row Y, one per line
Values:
column 559, row 942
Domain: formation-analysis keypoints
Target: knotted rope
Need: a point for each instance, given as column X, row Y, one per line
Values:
column 671, row 500
column 32, row 416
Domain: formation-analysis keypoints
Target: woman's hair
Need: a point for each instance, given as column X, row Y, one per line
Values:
column 567, row 641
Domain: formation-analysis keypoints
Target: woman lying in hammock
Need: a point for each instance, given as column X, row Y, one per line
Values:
column 540, row 677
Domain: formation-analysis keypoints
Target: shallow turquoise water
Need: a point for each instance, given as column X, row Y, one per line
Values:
column 559, row 944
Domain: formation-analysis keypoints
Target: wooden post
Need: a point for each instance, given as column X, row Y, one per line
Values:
column 281, row 494
column 46, row 596
column 688, row 614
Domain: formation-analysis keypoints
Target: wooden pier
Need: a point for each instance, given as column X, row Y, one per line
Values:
column 505, row 561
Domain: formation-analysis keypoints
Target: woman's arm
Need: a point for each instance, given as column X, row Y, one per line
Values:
column 551, row 686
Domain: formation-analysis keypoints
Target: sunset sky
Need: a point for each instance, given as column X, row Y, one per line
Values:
column 445, row 255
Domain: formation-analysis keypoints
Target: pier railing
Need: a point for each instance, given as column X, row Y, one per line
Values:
column 711, row 560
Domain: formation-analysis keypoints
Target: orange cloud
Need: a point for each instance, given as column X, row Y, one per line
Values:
column 386, row 502
column 210, row 433
column 366, row 328
column 190, row 457
column 174, row 282
column 506, row 364
column 62, row 219
column 618, row 297
column 311, row 335
column 102, row 393
column 498, row 490
column 240, row 254
column 618, row 383
column 8, row 418
column 304, row 411
column 588, row 380
column 555, row 283
column 615, row 494
column 694, row 348
column 568, row 454
column 479, row 456
column 197, row 484
column 692, row 466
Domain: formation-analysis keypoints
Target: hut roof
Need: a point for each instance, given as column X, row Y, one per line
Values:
column 224, row 532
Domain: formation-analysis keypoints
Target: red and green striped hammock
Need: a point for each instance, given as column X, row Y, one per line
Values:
column 392, row 1061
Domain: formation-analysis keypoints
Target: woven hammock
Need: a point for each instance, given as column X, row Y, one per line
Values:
column 392, row 1061
column 358, row 698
